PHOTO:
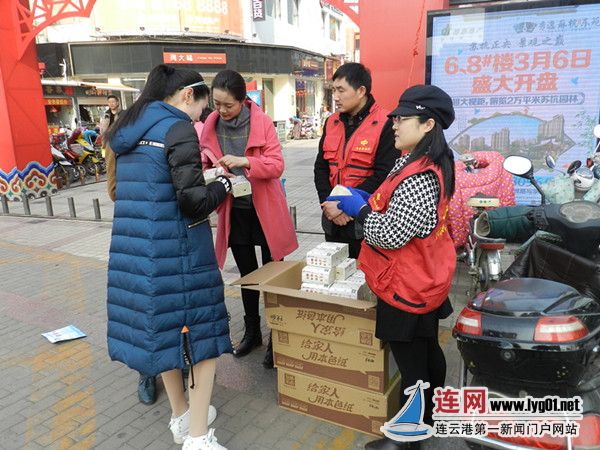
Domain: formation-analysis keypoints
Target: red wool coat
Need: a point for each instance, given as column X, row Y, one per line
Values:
column 263, row 150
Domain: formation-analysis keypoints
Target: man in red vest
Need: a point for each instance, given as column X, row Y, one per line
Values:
column 356, row 149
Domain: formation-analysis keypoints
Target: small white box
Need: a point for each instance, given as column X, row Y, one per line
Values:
column 347, row 290
column 322, row 275
column 211, row 175
column 322, row 257
column 345, row 269
column 339, row 246
column 357, row 276
column 240, row 186
column 314, row 288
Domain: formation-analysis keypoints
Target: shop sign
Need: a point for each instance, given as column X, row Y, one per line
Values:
column 57, row 101
column 95, row 92
column 258, row 10
column 194, row 58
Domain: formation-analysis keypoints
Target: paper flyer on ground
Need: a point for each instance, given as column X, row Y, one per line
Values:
column 64, row 334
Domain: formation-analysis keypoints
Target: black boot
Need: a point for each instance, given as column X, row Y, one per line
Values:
column 388, row 444
column 252, row 337
column 268, row 361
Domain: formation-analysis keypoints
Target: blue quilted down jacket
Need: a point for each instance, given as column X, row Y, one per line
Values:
column 165, row 293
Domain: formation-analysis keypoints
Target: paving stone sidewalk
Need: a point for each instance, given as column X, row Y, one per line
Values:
column 70, row 395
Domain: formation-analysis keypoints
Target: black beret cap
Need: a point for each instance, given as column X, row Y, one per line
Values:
column 426, row 100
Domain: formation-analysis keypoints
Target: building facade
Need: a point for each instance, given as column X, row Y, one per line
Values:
column 285, row 49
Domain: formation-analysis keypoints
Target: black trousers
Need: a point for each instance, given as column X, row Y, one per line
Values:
column 245, row 259
column 420, row 359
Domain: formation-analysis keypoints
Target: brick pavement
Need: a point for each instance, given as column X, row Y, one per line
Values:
column 71, row 395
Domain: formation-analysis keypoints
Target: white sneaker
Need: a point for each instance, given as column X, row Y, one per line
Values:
column 212, row 414
column 180, row 426
column 206, row 442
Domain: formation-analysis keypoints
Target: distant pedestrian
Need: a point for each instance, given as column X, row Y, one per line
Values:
column 166, row 303
column 408, row 256
column 356, row 149
column 243, row 140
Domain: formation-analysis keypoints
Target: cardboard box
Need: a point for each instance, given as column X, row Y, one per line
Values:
column 345, row 269
column 343, row 405
column 355, row 366
column 289, row 309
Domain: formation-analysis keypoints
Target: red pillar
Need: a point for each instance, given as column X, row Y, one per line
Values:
column 25, row 161
column 389, row 30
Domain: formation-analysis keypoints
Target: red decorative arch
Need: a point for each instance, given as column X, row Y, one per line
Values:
column 26, row 166
column 44, row 13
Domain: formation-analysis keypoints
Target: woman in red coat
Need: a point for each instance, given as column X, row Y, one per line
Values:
column 241, row 138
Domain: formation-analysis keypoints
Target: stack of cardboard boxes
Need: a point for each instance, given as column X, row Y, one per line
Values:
column 330, row 364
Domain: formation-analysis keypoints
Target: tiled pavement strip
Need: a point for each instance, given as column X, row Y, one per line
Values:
column 70, row 395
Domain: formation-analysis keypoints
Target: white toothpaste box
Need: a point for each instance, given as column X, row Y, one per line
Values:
column 345, row 269
column 349, row 289
column 322, row 275
column 339, row 246
column 240, row 186
column 323, row 257
column 315, row 288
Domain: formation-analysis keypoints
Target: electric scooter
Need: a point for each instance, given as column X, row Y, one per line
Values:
column 537, row 331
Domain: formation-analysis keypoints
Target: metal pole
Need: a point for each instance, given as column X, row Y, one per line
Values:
column 96, row 204
column 26, row 208
column 71, row 202
column 4, row 204
column 294, row 219
column 49, row 209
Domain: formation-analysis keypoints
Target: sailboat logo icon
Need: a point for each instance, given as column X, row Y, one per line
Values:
column 407, row 425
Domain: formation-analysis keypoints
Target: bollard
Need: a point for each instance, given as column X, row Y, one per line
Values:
column 71, row 202
column 82, row 175
column 49, row 209
column 96, row 204
column 293, row 214
column 97, row 172
column 26, row 208
column 5, row 205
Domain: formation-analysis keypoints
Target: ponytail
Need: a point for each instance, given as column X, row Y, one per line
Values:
column 163, row 81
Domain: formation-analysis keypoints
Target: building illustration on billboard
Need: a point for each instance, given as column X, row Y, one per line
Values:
column 522, row 84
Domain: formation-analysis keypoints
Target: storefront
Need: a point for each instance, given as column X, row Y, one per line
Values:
column 275, row 69
column 70, row 103
column 309, row 77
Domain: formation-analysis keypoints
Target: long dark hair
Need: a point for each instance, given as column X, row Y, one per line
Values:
column 434, row 146
column 163, row 81
column 232, row 82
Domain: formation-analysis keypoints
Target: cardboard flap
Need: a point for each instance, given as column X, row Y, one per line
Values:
column 284, row 278
column 264, row 273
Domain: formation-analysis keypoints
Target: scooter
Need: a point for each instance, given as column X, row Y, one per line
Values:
column 64, row 168
column 537, row 331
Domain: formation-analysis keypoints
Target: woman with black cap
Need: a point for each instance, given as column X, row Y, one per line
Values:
column 407, row 254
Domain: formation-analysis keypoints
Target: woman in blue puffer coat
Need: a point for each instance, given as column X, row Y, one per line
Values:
column 166, row 303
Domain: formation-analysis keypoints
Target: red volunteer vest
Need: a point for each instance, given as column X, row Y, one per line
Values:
column 415, row 278
column 352, row 163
